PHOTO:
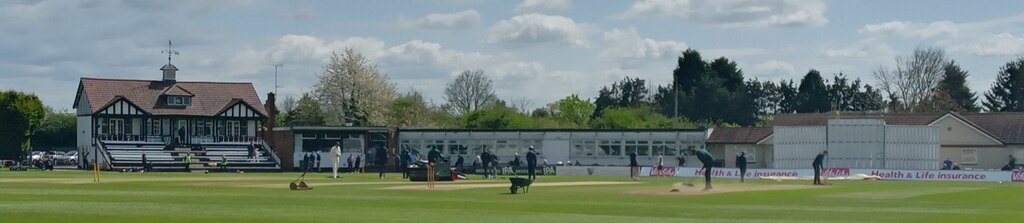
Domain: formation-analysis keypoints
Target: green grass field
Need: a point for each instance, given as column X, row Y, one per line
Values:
column 71, row 196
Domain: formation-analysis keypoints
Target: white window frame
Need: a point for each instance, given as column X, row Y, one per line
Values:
column 234, row 128
column 179, row 101
column 117, row 126
column 969, row 156
column 155, row 127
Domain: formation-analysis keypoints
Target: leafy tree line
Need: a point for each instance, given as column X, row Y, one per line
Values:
column 352, row 91
column 21, row 114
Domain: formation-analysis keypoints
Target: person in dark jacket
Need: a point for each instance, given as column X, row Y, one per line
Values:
column 531, row 164
column 433, row 157
column 382, row 159
column 359, row 160
column 458, row 164
column 634, row 167
column 145, row 162
column 818, row 161
column 1012, row 163
column 404, row 161
column 252, row 152
column 708, row 161
column 485, row 157
column 305, row 162
column 741, row 162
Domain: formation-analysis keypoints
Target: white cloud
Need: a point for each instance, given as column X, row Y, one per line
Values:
column 911, row 30
column 533, row 29
column 458, row 20
column 773, row 69
column 415, row 64
column 543, row 6
column 629, row 50
column 866, row 48
column 985, row 38
column 735, row 13
column 732, row 53
column 1002, row 44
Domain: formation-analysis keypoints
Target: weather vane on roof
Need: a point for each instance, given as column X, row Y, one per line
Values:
column 169, row 52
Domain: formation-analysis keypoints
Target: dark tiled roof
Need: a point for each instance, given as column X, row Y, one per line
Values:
column 208, row 98
column 1008, row 127
column 738, row 135
column 177, row 91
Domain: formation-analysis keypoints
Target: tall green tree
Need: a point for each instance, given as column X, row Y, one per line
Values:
column 496, row 116
column 788, row 101
column 840, row 93
column 870, row 99
column 306, row 113
column 813, row 95
column 574, row 110
column 954, row 83
column 765, row 96
column 728, row 72
column 632, row 118
column 731, row 100
column 1007, row 93
column 410, row 110
column 21, row 114
column 690, row 69
column 629, row 92
column 708, row 92
column 57, row 130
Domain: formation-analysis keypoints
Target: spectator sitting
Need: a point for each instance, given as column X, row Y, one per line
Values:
column 956, row 166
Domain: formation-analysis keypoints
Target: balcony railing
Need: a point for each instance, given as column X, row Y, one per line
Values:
column 188, row 140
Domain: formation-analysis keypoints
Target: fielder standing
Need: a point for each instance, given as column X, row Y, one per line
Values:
column 634, row 167
column 433, row 157
column 336, row 158
column 817, row 167
column 741, row 162
column 531, row 164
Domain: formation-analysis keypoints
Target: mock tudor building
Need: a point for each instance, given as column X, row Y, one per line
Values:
column 119, row 120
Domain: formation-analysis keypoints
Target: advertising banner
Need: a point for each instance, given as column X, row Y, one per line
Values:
column 930, row 175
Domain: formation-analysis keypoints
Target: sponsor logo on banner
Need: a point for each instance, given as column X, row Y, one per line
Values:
column 666, row 171
column 930, row 175
column 735, row 173
column 934, row 175
column 835, row 172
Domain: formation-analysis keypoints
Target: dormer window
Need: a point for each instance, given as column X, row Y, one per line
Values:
column 179, row 101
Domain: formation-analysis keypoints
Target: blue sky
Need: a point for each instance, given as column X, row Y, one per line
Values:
column 539, row 51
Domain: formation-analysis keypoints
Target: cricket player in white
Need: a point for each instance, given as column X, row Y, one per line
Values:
column 336, row 157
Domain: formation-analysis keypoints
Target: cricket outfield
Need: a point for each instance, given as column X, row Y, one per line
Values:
column 71, row 196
